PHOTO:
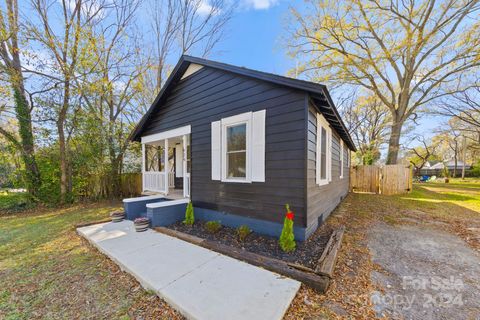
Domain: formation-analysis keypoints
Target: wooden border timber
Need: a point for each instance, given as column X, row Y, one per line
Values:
column 326, row 262
column 318, row 279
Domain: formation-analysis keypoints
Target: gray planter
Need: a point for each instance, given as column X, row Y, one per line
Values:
column 117, row 216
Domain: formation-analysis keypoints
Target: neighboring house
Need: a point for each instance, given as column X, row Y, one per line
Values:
column 241, row 144
column 438, row 168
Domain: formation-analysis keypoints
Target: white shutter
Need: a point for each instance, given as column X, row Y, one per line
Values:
column 258, row 146
column 216, row 150
column 317, row 151
column 329, row 153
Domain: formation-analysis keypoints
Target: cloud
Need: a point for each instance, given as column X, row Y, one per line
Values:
column 204, row 8
column 260, row 4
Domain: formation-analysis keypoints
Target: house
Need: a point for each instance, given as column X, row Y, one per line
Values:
column 438, row 168
column 240, row 144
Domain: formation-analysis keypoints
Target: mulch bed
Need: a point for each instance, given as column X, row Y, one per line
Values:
column 306, row 254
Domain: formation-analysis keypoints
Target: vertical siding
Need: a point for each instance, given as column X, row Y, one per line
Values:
column 321, row 200
column 209, row 95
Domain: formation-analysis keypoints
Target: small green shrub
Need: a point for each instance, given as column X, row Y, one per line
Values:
column 189, row 216
column 242, row 232
column 287, row 238
column 213, row 226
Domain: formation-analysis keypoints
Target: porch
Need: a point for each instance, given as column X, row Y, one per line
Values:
column 166, row 163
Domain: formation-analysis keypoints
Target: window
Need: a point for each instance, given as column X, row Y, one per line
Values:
column 341, row 158
column 237, row 151
column 324, row 152
column 236, row 144
column 238, row 148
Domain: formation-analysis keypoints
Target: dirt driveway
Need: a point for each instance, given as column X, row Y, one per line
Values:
column 425, row 273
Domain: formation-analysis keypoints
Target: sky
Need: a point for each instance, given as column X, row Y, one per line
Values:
column 256, row 39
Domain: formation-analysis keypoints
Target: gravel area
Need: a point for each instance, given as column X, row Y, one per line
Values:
column 307, row 253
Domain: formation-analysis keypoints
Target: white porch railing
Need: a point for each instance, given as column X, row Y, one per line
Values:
column 186, row 185
column 171, row 179
column 154, row 181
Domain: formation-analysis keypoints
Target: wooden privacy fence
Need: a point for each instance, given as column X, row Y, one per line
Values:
column 387, row 179
column 103, row 186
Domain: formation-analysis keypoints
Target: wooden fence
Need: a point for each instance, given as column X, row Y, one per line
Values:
column 103, row 186
column 387, row 179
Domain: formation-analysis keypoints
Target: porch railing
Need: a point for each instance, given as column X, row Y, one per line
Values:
column 186, row 185
column 154, row 181
column 171, row 179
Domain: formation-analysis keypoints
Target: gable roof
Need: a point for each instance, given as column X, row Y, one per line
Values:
column 318, row 93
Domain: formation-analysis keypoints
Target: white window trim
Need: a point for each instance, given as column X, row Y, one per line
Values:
column 341, row 158
column 322, row 122
column 244, row 118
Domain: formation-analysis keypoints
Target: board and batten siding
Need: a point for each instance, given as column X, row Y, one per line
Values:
column 322, row 200
column 209, row 95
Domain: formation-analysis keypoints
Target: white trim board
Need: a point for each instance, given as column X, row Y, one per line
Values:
column 136, row 199
column 167, row 203
column 192, row 68
column 167, row 134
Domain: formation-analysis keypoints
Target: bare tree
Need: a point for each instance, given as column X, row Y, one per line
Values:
column 61, row 35
column 185, row 26
column 110, row 85
column 11, row 68
column 368, row 121
column 422, row 153
column 402, row 52
column 465, row 107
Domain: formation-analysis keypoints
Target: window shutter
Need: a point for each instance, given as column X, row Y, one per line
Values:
column 317, row 151
column 216, row 150
column 329, row 153
column 258, row 146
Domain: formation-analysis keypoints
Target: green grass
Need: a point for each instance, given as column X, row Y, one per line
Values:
column 457, row 199
column 46, row 271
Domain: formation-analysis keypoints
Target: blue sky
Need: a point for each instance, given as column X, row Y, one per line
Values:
column 254, row 37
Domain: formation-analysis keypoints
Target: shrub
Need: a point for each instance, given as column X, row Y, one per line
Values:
column 189, row 216
column 287, row 238
column 213, row 226
column 243, row 231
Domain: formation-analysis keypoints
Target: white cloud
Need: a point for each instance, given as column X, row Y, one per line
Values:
column 204, row 8
column 260, row 4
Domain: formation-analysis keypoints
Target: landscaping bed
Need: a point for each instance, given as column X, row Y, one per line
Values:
column 312, row 262
column 306, row 253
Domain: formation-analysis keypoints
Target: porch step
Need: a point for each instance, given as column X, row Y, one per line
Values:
column 166, row 212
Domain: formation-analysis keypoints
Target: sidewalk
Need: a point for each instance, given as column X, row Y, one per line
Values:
column 199, row 283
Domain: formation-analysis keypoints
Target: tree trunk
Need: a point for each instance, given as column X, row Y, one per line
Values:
column 63, row 162
column 22, row 110
column 394, row 141
column 62, row 144
column 455, row 166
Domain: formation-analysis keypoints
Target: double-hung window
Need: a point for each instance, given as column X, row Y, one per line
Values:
column 238, row 148
column 235, row 138
column 324, row 151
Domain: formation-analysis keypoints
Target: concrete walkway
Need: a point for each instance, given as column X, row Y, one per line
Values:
column 199, row 283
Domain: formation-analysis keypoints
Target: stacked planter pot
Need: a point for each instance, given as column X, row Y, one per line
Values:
column 117, row 216
column 141, row 224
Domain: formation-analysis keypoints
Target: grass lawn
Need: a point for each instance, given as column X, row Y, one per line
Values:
column 47, row 271
column 454, row 207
